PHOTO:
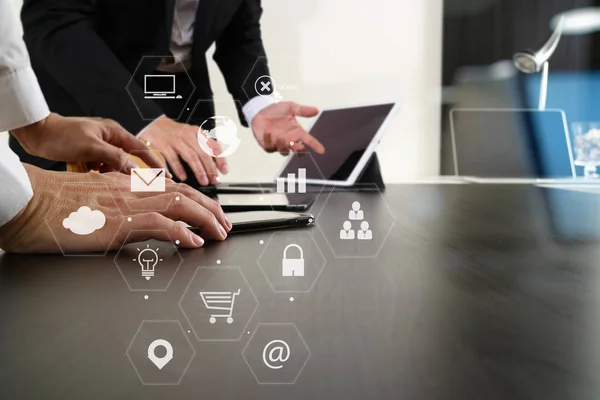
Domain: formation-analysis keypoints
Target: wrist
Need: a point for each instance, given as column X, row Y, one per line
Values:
column 33, row 135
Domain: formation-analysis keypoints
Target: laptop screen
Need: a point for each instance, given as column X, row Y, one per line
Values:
column 505, row 143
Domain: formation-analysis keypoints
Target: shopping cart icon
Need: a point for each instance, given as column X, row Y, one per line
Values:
column 220, row 301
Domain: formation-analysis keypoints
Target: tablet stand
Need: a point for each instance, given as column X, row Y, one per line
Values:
column 371, row 174
column 369, row 180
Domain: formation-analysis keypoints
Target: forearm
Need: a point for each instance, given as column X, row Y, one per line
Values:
column 31, row 136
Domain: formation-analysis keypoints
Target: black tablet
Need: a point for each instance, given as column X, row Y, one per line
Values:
column 262, row 220
column 265, row 201
column 350, row 136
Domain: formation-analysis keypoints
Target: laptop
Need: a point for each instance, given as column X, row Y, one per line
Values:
column 497, row 139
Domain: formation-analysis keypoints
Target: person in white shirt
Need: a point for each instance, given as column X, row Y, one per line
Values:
column 29, row 194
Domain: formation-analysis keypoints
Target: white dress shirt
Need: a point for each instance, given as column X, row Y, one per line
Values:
column 21, row 103
column 182, row 38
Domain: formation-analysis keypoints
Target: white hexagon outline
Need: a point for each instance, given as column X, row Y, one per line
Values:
column 250, row 73
column 170, row 321
column 147, row 290
column 241, row 246
column 177, row 60
column 250, row 96
column 292, row 291
column 83, row 254
column 301, row 338
column 382, row 242
column 249, row 318
column 215, row 102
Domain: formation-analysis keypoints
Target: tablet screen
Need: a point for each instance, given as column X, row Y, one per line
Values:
column 346, row 134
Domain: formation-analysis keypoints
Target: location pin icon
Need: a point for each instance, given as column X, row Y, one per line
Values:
column 160, row 362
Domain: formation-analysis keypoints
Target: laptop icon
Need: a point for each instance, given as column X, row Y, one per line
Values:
column 159, row 87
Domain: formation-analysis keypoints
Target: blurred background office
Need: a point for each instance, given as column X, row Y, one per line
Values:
column 480, row 38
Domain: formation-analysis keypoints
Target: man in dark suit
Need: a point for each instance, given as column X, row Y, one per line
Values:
column 86, row 52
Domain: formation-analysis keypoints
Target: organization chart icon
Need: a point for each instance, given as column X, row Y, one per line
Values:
column 363, row 232
column 361, row 224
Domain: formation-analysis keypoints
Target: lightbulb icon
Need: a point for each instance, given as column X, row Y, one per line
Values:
column 148, row 259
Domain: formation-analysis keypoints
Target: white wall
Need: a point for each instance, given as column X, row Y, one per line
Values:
column 342, row 52
column 350, row 51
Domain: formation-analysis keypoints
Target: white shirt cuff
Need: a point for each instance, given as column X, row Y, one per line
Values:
column 256, row 105
column 16, row 190
column 22, row 100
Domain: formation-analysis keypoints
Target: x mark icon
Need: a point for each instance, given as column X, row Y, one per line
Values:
column 265, row 86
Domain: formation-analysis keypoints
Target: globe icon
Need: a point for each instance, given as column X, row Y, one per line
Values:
column 222, row 130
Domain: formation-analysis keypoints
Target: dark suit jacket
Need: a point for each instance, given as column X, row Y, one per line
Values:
column 85, row 52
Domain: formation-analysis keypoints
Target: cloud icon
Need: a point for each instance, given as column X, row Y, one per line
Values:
column 84, row 221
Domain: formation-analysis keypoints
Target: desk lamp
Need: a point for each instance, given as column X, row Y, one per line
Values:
column 579, row 21
column 531, row 62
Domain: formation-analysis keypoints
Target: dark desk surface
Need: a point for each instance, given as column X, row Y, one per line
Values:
column 479, row 292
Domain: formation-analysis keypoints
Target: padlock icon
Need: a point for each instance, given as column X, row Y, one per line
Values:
column 292, row 266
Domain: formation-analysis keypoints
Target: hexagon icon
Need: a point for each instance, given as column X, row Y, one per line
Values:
column 148, row 266
column 218, row 303
column 276, row 353
column 89, row 221
column 155, row 93
column 292, row 261
column 216, row 127
column 143, row 182
column 160, row 352
column 356, row 224
column 301, row 174
column 277, row 86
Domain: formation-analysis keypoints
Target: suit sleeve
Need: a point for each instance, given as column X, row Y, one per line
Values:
column 62, row 39
column 240, row 53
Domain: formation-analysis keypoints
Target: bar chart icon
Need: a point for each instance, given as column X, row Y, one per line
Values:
column 292, row 181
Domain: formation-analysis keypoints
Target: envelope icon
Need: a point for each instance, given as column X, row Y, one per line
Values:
column 148, row 180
